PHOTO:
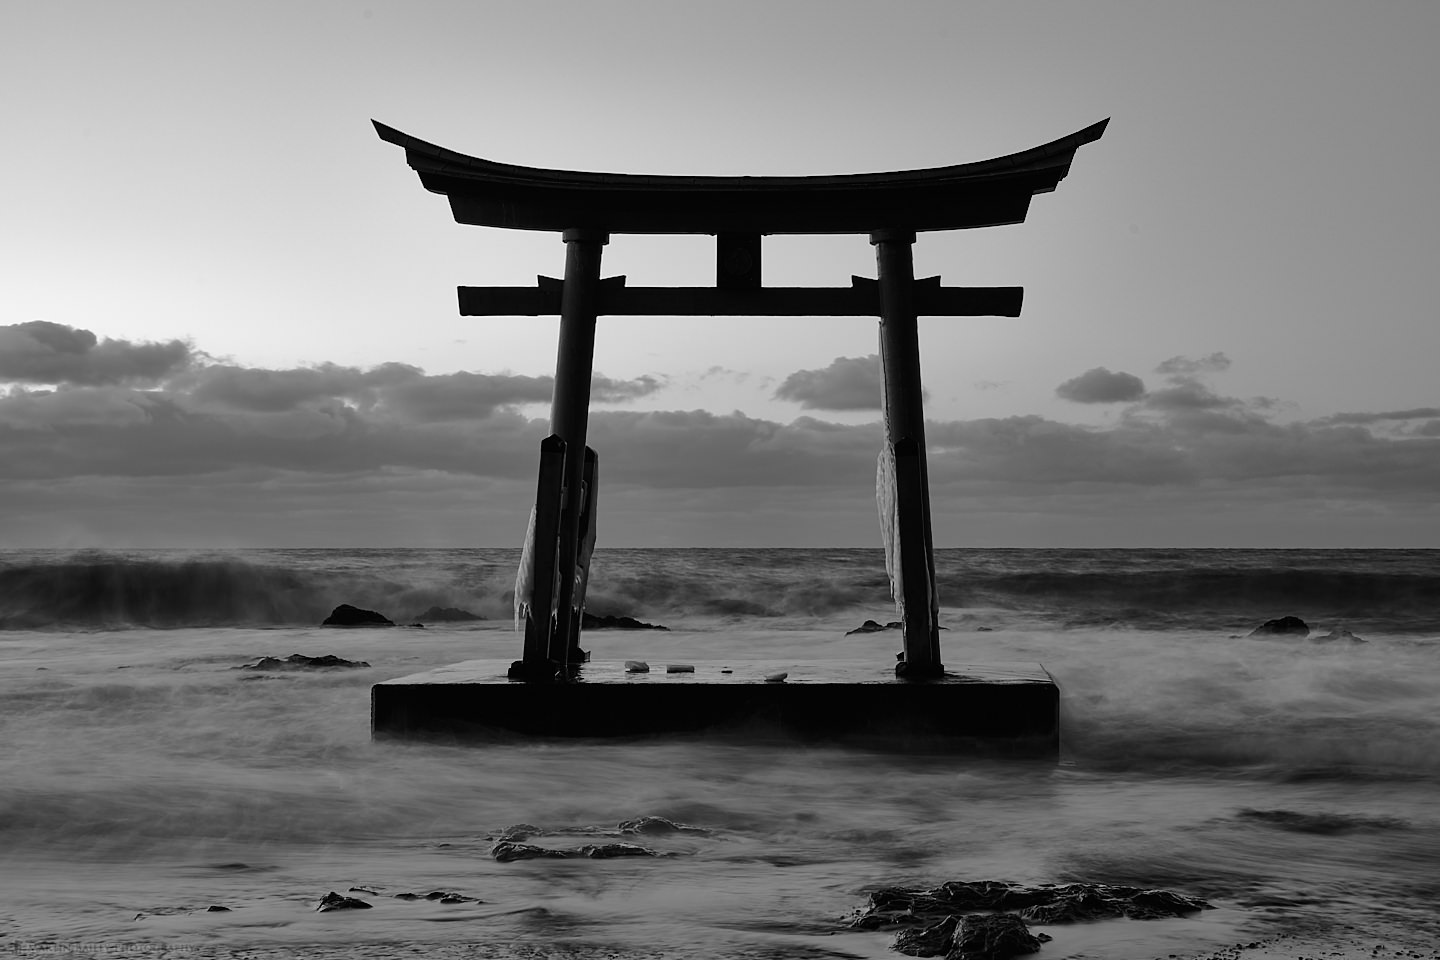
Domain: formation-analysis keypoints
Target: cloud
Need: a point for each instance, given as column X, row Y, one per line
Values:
column 1418, row 413
column 1101, row 386
column 400, row 389
column 332, row 442
column 42, row 352
column 849, row 383
column 1187, row 367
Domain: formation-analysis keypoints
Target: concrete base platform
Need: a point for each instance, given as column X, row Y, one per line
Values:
column 1004, row 708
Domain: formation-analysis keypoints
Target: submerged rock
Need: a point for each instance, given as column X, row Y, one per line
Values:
column 605, row 851
column 446, row 615
column 1077, row 902
column 931, row 941
column 657, row 825
column 993, row 936
column 334, row 901
column 1283, row 627
column 298, row 661
column 439, row 896
column 588, row 621
column 348, row 616
column 1340, row 633
column 1046, row 903
column 508, row 850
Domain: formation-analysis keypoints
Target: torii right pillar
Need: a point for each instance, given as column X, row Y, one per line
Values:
column 905, row 433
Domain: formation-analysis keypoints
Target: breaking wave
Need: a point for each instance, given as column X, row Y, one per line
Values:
column 1170, row 589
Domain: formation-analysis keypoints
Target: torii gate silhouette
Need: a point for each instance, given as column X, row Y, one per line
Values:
column 586, row 208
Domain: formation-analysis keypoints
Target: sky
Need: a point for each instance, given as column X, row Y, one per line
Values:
column 228, row 318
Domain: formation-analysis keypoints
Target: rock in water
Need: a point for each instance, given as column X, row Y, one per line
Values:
column 446, row 615
column 588, row 621
column 1045, row 903
column 870, row 626
column 348, row 616
column 931, row 941
column 604, row 851
column 298, row 661
column 506, row 851
column 1284, row 627
column 656, row 825
column 993, row 937
column 334, row 901
column 1078, row 902
column 1340, row 633
column 439, row 896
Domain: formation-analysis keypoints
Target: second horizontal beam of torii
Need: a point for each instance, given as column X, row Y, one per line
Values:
column 860, row 299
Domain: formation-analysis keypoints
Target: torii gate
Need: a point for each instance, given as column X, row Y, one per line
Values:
column 586, row 208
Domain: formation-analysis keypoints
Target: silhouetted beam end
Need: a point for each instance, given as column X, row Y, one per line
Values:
column 860, row 300
column 509, row 301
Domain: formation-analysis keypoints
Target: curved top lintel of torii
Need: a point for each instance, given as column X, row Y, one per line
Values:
column 961, row 196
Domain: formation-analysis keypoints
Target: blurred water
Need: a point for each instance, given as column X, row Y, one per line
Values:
column 143, row 779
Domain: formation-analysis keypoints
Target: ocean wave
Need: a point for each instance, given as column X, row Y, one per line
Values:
column 109, row 591
column 1395, row 591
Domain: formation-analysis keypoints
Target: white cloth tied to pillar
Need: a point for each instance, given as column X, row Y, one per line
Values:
column 525, row 576
column 887, row 501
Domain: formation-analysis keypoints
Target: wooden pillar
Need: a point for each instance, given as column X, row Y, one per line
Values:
column 569, row 417
column 540, row 620
column 905, row 429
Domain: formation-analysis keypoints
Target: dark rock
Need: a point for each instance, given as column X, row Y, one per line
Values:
column 298, row 661
column 1046, row 903
column 1340, row 633
column 446, row 615
column 870, row 626
column 439, row 896
column 216, row 908
column 520, row 831
column 348, row 616
column 931, row 941
column 334, row 901
column 588, row 621
column 993, row 936
column 508, row 850
column 605, row 851
column 1284, row 627
column 657, row 825
column 1077, row 902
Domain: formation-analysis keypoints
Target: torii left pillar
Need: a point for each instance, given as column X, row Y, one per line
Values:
column 552, row 645
column 905, row 434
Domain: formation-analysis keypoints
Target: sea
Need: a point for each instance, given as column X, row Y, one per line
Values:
column 156, row 799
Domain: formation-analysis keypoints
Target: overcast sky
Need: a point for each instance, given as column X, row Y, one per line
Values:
column 227, row 309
